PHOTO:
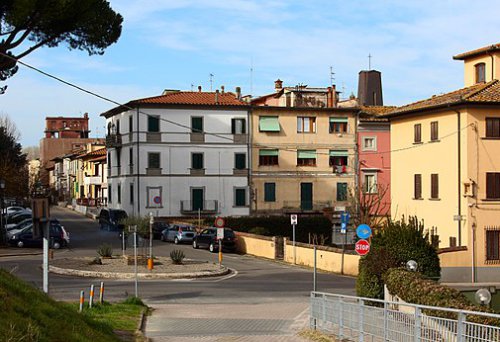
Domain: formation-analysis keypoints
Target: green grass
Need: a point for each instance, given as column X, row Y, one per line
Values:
column 27, row 314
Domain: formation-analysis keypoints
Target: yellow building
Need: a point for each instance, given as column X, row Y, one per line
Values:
column 303, row 159
column 446, row 168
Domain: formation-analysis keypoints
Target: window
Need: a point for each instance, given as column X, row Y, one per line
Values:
column 197, row 161
column 119, row 193
column 238, row 126
column 96, row 169
column 339, row 159
column 369, row 144
column 130, row 123
column 117, row 126
column 492, row 244
column 434, row 131
column 268, row 157
column 338, row 125
column 131, row 193
column 153, row 160
column 417, row 186
column 269, row 192
column 434, row 186
column 341, row 191
column 417, row 130
column 370, row 183
column 196, row 124
column 240, row 161
column 110, row 193
column 131, row 158
column 306, row 157
column 306, row 124
column 493, row 185
column 480, row 72
column 269, row 124
column 153, row 124
column 493, row 127
column 240, row 197
column 118, row 157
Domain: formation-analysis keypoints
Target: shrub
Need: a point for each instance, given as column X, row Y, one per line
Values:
column 177, row 256
column 142, row 224
column 259, row 231
column 105, row 250
column 392, row 247
column 96, row 261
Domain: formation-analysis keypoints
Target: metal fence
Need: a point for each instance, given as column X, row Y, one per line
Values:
column 365, row 319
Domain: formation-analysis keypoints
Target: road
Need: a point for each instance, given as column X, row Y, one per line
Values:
column 253, row 284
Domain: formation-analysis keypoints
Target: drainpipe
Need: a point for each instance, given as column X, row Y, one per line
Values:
column 459, row 175
column 138, row 171
column 492, row 64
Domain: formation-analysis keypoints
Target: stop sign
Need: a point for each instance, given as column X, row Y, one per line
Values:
column 362, row 247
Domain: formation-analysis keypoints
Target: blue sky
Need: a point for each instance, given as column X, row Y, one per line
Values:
column 175, row 44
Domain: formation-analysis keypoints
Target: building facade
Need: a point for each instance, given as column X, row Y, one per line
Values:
column 179, row 154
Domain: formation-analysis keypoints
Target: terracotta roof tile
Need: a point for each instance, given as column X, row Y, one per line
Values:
column 482, row 92
column 468, row 54
column 194, row 98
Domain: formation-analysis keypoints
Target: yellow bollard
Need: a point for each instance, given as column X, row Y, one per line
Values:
column 150, row 264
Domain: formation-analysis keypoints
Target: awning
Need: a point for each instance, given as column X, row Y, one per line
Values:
column 339, row 153
column 268, row 152
column 269, row 124
column 338, row 119
column 306, row 154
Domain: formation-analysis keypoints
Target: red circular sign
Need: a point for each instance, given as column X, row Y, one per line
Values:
column 219, row 222
column 362, row 247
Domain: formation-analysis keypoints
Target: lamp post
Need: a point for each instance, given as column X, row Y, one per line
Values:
column 2, row 188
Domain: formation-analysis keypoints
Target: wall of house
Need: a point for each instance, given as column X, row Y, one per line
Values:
column 287, row 175
column 470, row 70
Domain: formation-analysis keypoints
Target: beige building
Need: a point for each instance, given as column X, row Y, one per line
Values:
column 302, row 159
column 446, row 169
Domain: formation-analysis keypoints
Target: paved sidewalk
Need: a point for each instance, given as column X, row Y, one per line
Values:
column 15, row 251
column 243, row 322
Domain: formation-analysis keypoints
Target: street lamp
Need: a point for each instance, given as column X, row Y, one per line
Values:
column 412, row 265
column 483, row 297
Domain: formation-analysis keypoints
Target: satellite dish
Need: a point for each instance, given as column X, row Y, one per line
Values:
column 412, row 265
column 483, row 296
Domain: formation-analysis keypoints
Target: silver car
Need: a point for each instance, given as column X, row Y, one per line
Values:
column 178, row 233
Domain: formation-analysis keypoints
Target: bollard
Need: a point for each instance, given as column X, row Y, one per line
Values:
column 82, row 299
column 150, row 264
column 101, row 293
column 91, row 297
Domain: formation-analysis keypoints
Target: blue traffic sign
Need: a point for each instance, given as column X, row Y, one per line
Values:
column 343, row 228
column 344, row 217
column 363, row 231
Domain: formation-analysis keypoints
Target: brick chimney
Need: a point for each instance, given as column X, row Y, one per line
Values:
column 278, row 85
column 331, row 97
column 238, row 93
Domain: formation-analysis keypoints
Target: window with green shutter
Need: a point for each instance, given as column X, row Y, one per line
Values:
column 240, row 161
column 197, row 124
column 306, row 157
column 269, row 192
column 341, row 191
column 269, row 124
column 240, row 196
column 268, row 157
column 153, row 124
column 338, row 125
column 197, row 161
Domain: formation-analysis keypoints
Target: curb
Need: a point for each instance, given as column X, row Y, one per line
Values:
column 116, row 275
column 19, row 254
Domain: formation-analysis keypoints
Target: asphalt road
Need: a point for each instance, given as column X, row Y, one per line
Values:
column 254, row 281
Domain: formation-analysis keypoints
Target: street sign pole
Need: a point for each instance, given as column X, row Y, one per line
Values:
column 46, row 236
column 150, row 260
column 314, row 277
column 135, row 262
column 294, row 251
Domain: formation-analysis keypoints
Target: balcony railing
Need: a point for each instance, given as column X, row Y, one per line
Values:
column 292, row 206
column 204, row 207
column 113, row 140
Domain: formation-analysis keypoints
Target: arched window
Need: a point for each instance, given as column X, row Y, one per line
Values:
column 480, row 72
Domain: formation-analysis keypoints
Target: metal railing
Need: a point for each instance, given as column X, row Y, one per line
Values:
column 366, row 319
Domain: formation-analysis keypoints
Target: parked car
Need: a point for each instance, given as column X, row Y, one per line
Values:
column 158, row 228
column 18, row 217
column 109, row 219
column 14, row 209
column 59, row 237
column 179, row 233
column 17, row 228
column 20, row 220
column 208, row 239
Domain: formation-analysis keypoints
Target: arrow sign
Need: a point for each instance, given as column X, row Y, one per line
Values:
column 344, row 217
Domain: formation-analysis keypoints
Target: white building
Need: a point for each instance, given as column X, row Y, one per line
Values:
column 181, row 153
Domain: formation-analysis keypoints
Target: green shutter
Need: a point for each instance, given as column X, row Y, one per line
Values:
column 306, row 154
column 338, row 119
column 196, row 124
column 269, row 124
column 240, row 199
column 339, row 153
column 269, row 192
column 341, row 191
column 240, row 161
column 197, row 161
column 153, row 124
column 268, row 152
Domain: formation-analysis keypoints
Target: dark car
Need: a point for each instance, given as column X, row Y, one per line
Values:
column 58, row 237
column 158, row 228
column 109, row 219
column 179, row 233
column 208, row 239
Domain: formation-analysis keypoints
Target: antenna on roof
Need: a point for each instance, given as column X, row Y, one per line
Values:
column 369, row 61
column 332, row 78
column 211, row 80
column 251, row 76
column 192, row 87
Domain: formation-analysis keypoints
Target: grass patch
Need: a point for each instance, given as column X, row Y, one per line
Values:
column 29, row 315
column 316, row 336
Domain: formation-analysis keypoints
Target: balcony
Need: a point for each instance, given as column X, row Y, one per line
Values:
column 305, row 206
column 203, row 207
column 92, row 180
column 113, row 141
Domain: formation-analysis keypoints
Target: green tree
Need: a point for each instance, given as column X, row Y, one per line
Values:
column 26, row 25
column 392, row 246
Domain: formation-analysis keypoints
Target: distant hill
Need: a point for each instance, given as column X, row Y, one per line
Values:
column 27, row 314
